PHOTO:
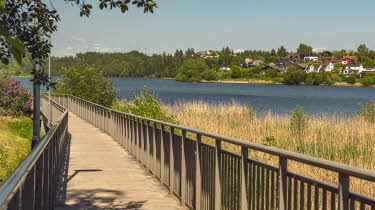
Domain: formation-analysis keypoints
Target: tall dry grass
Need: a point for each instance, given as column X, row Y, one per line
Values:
column 348, row 140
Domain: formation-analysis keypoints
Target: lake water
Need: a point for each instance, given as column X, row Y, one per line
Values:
column 277, row 98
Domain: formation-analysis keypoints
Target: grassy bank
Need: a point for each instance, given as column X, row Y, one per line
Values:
column 15, row 140
column 338, row 138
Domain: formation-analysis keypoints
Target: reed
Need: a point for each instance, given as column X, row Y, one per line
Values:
column 348, row 140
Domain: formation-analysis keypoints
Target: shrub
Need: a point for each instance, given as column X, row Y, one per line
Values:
column 299, row 121
column 87, row 82
column 15, row 99
column 209, row 75
column 350, row 79
column 271, row 73
column 293, row 76
column 367, row 111
column 368, row 81
column 145, row 104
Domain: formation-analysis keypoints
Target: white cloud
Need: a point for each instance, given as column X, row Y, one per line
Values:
column 76, row 44
column 321, row 49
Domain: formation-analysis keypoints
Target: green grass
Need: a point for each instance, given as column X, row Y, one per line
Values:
column 15, row 141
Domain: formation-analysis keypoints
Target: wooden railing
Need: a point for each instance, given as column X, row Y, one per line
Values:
column 203, row 176
column 33, row 185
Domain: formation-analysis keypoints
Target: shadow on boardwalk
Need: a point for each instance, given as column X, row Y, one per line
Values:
column 91, row 199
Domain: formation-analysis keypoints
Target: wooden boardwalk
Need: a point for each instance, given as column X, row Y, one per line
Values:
column 102, row 175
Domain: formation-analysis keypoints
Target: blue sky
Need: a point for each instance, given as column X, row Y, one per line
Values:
column 213, row 24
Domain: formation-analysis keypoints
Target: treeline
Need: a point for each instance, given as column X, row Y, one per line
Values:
column 137, row 64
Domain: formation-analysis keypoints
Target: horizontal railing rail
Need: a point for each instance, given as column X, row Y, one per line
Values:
column 34, row 183
column 208, row 177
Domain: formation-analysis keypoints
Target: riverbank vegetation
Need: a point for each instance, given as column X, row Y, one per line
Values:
column 15, row 143
column 15, row 125
column 348, row 140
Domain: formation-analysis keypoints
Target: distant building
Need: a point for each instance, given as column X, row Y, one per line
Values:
column 357, row 70
column 353, row 58
column 347, row 61
column 252, row 62
column 208, row 54
column 224, row 69
column 238, row 51
column 326, row 55
column 294, row 57
column 310, row 58
column 320, row 68
column 329, row 67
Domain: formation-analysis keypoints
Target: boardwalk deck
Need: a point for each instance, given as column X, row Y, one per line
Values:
column 102, row 175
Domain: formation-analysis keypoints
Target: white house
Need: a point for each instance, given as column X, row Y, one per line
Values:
column 356, row 69
column 224, row 69
column 330, row 67
column 368, row 69
column 314, row 68
column 311, row 58
column 237, row 51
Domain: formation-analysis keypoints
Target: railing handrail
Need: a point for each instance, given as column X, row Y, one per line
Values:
column 10, row 186
column 307, row 159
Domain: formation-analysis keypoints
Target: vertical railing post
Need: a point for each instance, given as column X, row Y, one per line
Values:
column 154, row 147
column 198, row 176
column 122, row 117
column 136, row 138
column 148, row 145
column 127, row 133
column 171, row 162
column 217, row 174
column 183, row 169
column 28, row 193
column 162, row 154
column 244, row 178
column 141, row 137
column 283, row 171
column 39, row 186
column 343, row 191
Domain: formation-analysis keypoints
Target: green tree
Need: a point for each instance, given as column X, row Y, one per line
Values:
column 282, row 52
column 338, row 66
column 237, row 72
column 191, row 70
column 304, row 49
column 369, row 62
column 368, row 80
column 87, row 82
column 294, row 76
column 209, row 75
column 273, row 52
column 271, row 73
column 363, row 52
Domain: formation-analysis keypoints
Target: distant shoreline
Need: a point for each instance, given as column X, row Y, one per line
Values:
column 263, row 82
